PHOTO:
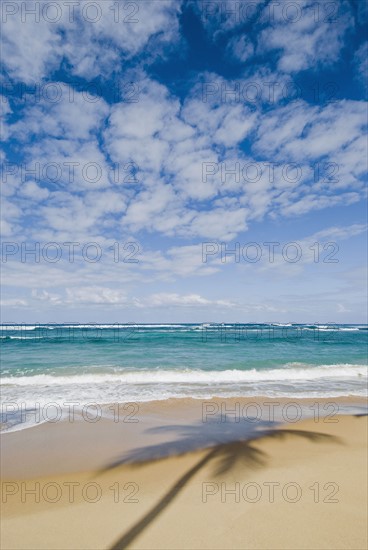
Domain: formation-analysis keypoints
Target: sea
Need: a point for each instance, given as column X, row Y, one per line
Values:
column 125, row 363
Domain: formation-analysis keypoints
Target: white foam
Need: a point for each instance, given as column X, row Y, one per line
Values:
column 23, row 337
column 293, row 371
column 18, row 327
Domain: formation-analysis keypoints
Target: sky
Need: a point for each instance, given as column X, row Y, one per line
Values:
column 196, row 161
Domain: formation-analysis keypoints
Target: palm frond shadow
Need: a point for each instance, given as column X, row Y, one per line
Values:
column 193, row 437
column 243, row 453
column 224, row 456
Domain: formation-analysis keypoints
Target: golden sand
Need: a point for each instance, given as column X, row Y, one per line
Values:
column 303, row 485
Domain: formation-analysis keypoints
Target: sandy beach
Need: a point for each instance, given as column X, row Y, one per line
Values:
column 178, row 479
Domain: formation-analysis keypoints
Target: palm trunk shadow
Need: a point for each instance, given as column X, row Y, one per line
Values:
column 134, row 531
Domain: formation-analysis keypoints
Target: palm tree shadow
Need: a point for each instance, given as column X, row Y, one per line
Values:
column 225, row 456
column 218, row 431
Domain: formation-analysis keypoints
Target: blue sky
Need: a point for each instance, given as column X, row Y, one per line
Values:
column 157, row 136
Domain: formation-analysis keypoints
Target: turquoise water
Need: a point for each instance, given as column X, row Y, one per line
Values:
column 122, row 363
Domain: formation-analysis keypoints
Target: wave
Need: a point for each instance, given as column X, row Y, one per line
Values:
column 22, row 337
column 55, row 326
column 24, row 326
column 18, row 327
column 293, row 371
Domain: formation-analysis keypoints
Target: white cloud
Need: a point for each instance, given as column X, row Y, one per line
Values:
column 241, row 48
column 33, row 45
column 29, row 48
column 13, row 302
column 161, row 138
column 310, row 253
column 45, row 296
column 220, row 222
column 33, row 192
column 326, row 142
column 4, row 112
column 342, row 309
column 187, row 300
column 95, row 295
column 304, row 38
column 361, row 63
column 169, row 145
column 71, row 116
column 314, row 202
column 168, row 192
column 221, row 17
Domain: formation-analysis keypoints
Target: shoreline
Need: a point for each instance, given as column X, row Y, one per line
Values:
column 100, row 434
column 16, row 416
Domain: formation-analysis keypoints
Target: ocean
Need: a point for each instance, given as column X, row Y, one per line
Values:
column 121, row 363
